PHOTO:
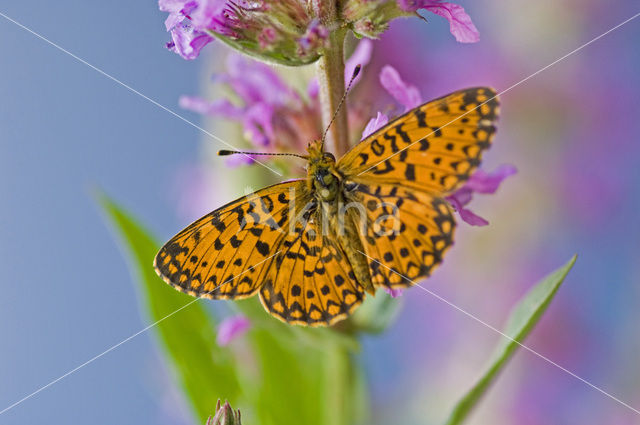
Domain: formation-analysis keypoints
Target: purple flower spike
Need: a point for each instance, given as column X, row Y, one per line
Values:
column 405, row 94
column 460, row 24
column 374, row 124
column 231, row 328
column 394, row 293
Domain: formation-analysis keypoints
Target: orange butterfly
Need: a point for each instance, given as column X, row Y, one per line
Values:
column 376, row 218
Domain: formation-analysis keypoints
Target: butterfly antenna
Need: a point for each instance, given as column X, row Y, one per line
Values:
column 225, row 152
column 356, row 71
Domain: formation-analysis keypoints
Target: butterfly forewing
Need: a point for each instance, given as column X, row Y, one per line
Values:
column 226, row 253
column 434, row 147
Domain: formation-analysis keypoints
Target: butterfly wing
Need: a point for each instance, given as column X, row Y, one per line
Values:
column 312, row 282
column 225, row 254
column 402, row 172
column 434, row 147
column 406, row 234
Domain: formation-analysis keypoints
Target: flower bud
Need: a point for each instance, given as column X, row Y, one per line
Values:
column 225, row 415
column 283, row 31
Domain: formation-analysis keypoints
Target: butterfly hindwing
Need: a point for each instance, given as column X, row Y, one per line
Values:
column 434, row 147
column 407, row 233
column 226, row 253
column 311, row 283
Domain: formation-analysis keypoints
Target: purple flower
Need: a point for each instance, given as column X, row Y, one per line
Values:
column 231, row 328
column 189, row 22
column 187, row 41
column 405, row 94
column 178, row 10
column 480, row 182
column 211, row 15
column 460, row 23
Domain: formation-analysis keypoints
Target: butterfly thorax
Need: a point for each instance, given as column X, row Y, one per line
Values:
column 322, row 176
column 326, row 183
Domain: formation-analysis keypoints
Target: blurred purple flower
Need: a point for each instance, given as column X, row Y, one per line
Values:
column 480, row 182
column 186, row 38
column 231, row 328
column 394, row 293
column 315, row 36
column 460, row 23
column 262, row 93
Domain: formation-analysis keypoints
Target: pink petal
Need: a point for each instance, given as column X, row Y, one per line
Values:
column 395, row 293
column 460, row 23
column 313, row 89
column 483, row 182
column 405, row 94
column 465, row 214
column 188, row 42
column 231, row 328
column 361, row 56
column 374, row 124
column 201, row 106
column 207, row 13
column 471, row 218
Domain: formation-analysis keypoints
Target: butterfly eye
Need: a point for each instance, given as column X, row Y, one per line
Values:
column 329, row 156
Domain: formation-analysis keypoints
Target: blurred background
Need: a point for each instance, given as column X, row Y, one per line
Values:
column 571, row 131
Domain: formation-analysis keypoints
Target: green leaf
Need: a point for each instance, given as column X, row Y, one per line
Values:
column 522, row 319
column 187, row 332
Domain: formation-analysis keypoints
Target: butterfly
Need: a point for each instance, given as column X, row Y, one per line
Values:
column 376, row 218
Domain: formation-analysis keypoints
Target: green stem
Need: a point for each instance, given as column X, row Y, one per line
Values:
column 330, row 72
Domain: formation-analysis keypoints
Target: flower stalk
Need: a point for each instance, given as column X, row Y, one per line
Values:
column 330, row 74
